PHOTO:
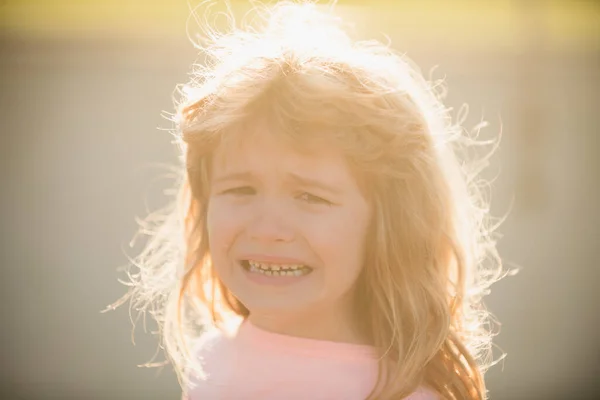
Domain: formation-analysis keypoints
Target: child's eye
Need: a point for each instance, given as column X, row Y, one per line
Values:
column 240, row 191
column 312, row 199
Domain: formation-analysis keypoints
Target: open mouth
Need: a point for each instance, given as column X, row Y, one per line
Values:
column 275, row 270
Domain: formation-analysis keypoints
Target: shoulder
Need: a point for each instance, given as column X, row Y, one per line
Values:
column 210, row 339
column 213, row 345
column 423, row 393
column 214, row 356
column 213, row 352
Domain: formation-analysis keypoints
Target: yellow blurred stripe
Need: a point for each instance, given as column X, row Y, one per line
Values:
column 458, row 22
column 112, row 17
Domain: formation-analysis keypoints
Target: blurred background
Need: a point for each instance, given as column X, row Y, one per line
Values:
column 82, row 88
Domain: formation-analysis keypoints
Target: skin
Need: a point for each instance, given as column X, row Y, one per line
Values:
column 262, row 203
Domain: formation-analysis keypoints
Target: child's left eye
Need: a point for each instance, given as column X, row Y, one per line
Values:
column 312, row 199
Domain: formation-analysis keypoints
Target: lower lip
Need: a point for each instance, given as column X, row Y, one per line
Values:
column 263, row 279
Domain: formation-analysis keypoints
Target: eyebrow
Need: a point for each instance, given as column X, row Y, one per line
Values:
column 309, row 182
column 302, row 180
column 236, row 176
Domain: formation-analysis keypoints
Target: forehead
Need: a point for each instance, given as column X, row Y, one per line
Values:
column 262, row 149
column 268, row 130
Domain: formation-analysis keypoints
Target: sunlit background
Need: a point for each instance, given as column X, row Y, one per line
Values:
column 83, row 84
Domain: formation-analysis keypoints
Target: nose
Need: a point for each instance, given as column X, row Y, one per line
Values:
column 270, row 224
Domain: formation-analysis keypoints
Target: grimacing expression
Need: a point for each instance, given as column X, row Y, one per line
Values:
column 286, row 228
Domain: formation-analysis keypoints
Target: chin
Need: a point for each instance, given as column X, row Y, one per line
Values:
column 263, row 303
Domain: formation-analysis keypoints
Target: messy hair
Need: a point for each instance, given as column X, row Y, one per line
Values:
column 430, row 248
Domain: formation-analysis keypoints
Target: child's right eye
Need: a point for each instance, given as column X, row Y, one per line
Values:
column 240, row 191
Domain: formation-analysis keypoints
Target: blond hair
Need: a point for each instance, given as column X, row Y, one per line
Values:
column 431, row 252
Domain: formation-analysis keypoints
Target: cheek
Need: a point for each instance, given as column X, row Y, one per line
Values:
column 340, row 241
column 223, row 225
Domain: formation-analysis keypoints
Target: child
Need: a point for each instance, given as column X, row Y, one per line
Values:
column 326, row 240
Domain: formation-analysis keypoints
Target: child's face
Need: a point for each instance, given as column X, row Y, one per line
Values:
column 273, row 211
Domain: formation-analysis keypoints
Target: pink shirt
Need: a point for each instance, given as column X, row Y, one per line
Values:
column 256, row 364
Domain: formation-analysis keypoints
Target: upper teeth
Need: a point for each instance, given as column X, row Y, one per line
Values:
column 274, row 267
